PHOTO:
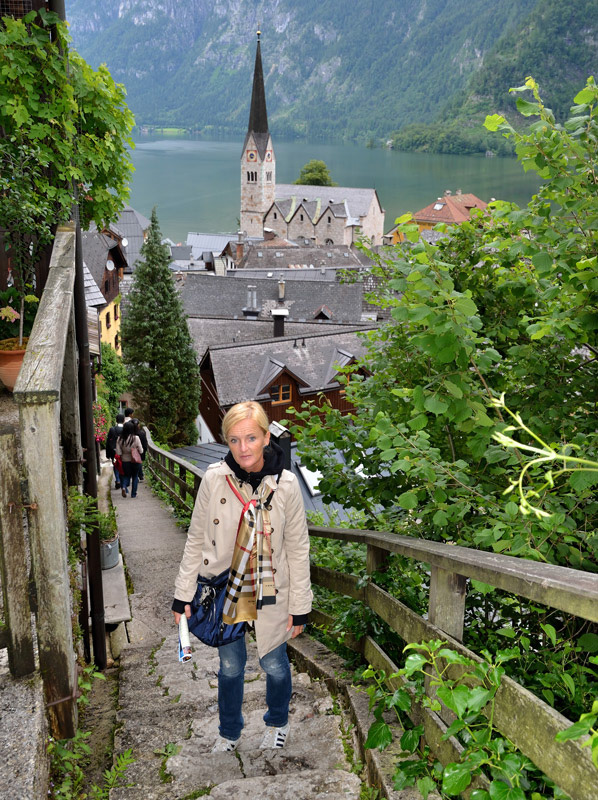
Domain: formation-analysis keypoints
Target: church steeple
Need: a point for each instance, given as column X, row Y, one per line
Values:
column 258, row 165
column 258, row 115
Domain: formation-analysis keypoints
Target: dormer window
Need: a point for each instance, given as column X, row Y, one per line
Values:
column 301, row 217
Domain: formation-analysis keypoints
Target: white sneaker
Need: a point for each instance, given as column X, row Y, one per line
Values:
column 275, row 738
column 223, row 745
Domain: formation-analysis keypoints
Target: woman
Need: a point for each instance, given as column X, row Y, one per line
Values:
column 127, row 440
column 249, row 503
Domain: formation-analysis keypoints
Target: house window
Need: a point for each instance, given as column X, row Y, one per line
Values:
column 281, row 394
column 108, row 323
column 106, row 286
column 117, row 342
column 329, row 241
column 115, row 311
column 301, row 217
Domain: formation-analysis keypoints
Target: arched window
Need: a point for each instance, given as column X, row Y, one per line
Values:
column 301, row 217
column 269, row 177
column 328, row 241
column 275, row 215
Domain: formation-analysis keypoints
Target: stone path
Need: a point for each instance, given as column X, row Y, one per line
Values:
column 168, row 711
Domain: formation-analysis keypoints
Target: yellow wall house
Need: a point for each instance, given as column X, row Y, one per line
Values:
column 103, row 256
column 452, row 209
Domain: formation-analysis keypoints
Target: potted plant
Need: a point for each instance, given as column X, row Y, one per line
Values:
column 16, row 320
column 108, row 538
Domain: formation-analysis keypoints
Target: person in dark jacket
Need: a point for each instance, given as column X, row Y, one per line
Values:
column 143, row 437
column 113, row 435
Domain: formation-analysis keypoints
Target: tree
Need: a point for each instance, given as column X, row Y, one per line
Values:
column 505, row 305
column 315, row 173
column 157, row 347
column 62, row 125
column 115, row 378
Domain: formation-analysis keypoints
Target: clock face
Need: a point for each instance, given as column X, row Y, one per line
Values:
column 252, row 155
column 268, row 155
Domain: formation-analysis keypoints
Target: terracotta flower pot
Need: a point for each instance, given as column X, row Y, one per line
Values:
column 11, row 360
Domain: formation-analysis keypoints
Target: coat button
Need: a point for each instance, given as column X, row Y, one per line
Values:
column 273, row 570
column 268, row 507
column 216, row 522
column 276, row 591
column 205, row 561
column 223, row 500
column 213, row 543
column 271, row 549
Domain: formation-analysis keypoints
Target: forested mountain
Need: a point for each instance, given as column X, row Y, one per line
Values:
column 358, row 70
column 557, row 44
column 332, row 68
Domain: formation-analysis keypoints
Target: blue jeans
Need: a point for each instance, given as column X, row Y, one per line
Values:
column 231, row 680
column 117, row 475
column 131, row 476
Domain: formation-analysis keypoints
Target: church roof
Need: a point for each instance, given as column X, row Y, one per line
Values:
column 258, row 116
column 344, row 200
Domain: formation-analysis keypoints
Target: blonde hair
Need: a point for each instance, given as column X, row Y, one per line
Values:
column 247, row 410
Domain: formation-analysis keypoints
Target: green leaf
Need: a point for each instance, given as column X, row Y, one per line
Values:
column 569, row 683
column 484, row 588
column 453, row 389
column 425, row 786
column 440, row 519
column 479, row 794
column 542, row 262
column 577, row 730
column 478, row 698
column 585, row 97
column 493, row 122
column 410, row 739
column 550, row 631
column 456, row 699
column 456, row 778
column 502, row 791
column 379, row 736
column 527, row 109
column 588, row 642
column 414, row 663
column 581, row 479
column 418, row 423
column 435, row 405
column 407, row 500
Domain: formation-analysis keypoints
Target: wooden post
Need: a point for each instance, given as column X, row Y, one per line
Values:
column 69, row 410
column 376, row 559
column 37, row 391
column 447, row 602
column 13, row 560
column 47, row 531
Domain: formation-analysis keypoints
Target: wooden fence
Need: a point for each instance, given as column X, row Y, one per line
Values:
column 47, row 397
column 519, row 715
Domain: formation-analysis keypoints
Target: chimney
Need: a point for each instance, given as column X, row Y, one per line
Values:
column 251, row 311
column 240, row 246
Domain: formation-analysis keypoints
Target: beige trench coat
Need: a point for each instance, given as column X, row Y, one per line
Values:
column 211, row 540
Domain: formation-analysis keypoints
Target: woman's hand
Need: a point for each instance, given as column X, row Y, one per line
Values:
column 177, row 616
column 297, row 629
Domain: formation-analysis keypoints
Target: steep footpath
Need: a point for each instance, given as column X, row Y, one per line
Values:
column 168, row 712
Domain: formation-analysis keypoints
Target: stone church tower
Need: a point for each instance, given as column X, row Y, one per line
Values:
column 258, row 166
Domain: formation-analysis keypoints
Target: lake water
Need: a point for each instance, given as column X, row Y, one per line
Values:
column 195, row 183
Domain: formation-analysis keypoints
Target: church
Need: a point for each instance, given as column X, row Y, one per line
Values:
column 319, row 215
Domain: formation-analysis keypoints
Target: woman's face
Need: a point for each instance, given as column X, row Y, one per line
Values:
column 247, row 441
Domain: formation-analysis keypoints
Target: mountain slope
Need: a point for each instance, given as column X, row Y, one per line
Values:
column 331, row 68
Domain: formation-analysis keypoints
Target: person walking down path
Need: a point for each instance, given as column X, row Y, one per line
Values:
column 111, row 439
column 168, row 711
column 249, row 517
column 129, row 448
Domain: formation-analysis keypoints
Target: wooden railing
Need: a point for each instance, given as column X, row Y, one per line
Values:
column 47, row 398
column 177, row 477
column 519, row 715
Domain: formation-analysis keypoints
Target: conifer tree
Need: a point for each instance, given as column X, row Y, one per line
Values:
column 157, row 347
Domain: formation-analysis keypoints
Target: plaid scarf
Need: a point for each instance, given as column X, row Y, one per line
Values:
column 251, row 580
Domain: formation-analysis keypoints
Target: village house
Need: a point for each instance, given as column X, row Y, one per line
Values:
column 277, row 373
column 452, row 209
column 104, row 258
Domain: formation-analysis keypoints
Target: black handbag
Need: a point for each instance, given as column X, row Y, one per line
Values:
column 205, row 621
